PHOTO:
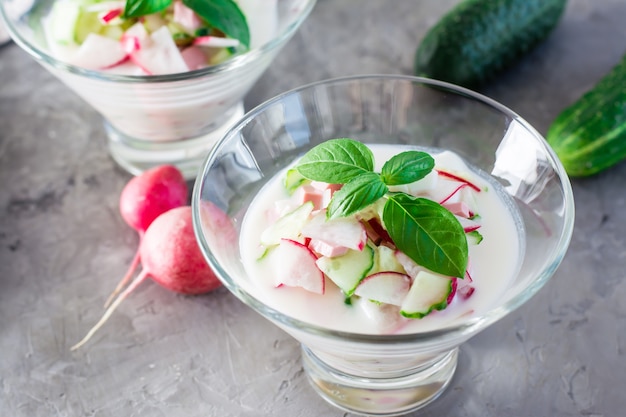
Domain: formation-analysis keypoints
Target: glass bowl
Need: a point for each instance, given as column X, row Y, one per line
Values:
column 159, row 119
column 375, row 374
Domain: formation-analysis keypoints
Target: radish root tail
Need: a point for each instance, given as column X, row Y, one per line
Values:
column 140, row 278
column 129, row 274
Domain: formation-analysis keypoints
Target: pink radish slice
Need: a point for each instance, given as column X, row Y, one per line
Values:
column 344, row 231
column 215, row 42
column 468, row 225
column 99, row 52
column 186, row 17
column 161, row 55
column 143, row 199
column 172, row 258
column 325, row 249
column 453, row 193
column 386, row 317
column 294, row 266
column 458, row 178
column 453, row 290
column 385, row 287
column 466, row 292
column 108, row 16
column 194, row 57
column 409, row 265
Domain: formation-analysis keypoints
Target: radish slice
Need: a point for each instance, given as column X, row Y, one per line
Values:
column 325, row 249
column 194, row 57
column 386, row 317
column 468, row 225
column 186, row 18
column 409, row 265
column 385, row 287
column 344, row 231
column 161, row 56
column 110, row 16
column 215, row 42
column 294, row 266
column 98, row 52
column 456, row 177
column 288, row 226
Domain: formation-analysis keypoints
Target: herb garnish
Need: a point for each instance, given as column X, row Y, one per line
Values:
column 423, row 229
column 223, row 15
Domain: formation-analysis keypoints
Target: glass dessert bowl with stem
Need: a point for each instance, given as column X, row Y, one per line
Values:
column 156, row 119
column 357, row 369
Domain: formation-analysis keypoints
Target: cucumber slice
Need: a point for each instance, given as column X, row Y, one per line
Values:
column 385, row 260
column 428, row 292
column 474, row 237
column 293, row 180
column 86, row 23
column 288, row 226
column 347, row 271
column 385, row 287
column 63, row 19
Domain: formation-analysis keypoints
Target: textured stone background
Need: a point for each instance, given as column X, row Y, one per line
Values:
column 63, row 246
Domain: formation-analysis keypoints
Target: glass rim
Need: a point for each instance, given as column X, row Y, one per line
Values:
column 235, row 62
column 467, row 326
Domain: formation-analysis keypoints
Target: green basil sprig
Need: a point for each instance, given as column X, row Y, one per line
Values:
column 423, row 229
column 223, row 15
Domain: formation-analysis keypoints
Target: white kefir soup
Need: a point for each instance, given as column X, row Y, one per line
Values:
column 94, row 35
column 380, row 299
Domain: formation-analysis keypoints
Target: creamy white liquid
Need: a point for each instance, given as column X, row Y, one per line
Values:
column 494, row 261
column 168, row 112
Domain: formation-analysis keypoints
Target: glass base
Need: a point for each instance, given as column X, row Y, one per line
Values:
column 136, row 156
column 380, row 396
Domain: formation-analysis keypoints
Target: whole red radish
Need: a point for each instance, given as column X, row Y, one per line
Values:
column 170, row 255
column 151, row 194
column 143, row 199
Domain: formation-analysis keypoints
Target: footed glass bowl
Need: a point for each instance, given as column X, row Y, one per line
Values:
column 161, row 119
column 375, row 374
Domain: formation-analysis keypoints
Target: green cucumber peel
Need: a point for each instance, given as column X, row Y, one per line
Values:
column 223, row 15
column 423, row 229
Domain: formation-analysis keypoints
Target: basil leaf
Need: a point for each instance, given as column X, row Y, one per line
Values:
column 336, row 161
column 137, row 8
column 223, row 15
column 407, row 167
column 356, row 194
column 427, row 233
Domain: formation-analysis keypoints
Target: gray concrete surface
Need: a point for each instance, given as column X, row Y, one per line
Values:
column 63, row 246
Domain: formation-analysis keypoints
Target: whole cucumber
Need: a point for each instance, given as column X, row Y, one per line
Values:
column 479, row 38
column 590, row 135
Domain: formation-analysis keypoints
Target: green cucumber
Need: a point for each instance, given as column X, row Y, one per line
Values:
column 347, row 271
column 63, row 19
column 590, row 135
column 293, row 180
column 428, row 292
column 385, row 260
column 479, row 38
